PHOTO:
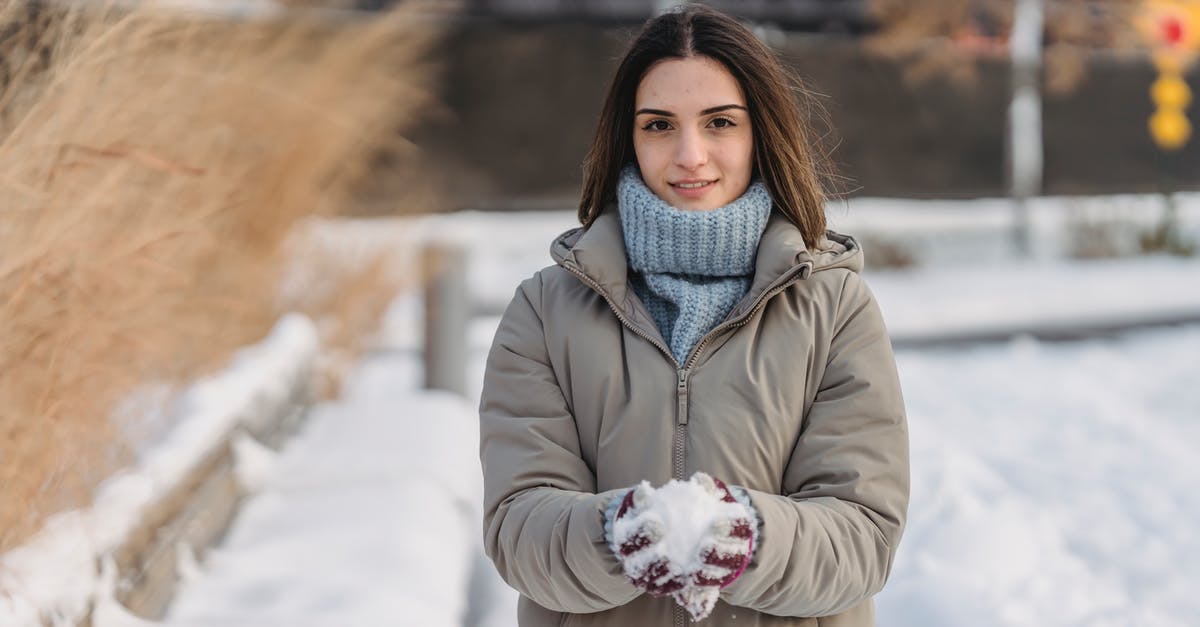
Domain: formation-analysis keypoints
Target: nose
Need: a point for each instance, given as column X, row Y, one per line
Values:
column 690, row 152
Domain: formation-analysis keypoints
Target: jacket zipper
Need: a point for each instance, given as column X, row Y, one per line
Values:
column 681, row 419
column 677, row 465
column 679, row 618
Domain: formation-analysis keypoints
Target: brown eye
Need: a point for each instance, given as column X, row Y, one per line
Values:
column 657, row 125
column 723, row 123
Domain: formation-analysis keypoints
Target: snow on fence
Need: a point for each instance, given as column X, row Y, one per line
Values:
column 178, row 496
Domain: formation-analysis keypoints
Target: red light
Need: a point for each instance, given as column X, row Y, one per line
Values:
column 1172, row 30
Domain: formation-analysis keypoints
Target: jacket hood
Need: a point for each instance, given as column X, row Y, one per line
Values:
column 838, row 250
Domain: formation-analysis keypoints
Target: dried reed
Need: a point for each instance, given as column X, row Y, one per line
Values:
column 152, row 164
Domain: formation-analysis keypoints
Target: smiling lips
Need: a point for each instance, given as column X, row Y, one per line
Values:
column 692, row 189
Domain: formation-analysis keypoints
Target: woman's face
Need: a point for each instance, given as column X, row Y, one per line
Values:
column 692, row 134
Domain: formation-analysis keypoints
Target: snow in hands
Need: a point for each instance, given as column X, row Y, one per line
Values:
column 687, row 539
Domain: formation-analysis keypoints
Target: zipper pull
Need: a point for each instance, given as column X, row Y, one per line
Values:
column 682, row 395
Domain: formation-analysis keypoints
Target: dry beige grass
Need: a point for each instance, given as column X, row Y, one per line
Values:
column 151, row 167
column 938, row 38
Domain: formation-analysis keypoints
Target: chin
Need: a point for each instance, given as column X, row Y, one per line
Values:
column 699, row 204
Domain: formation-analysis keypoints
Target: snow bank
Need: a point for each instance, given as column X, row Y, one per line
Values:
column 1052, row 484
column 370, row 516
column 56, row 576
column 954, row 300
column 981, row 231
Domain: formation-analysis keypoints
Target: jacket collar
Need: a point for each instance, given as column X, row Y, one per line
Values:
column 598, row 253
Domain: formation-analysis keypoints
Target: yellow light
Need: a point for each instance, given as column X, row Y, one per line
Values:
column 1170, row 129
column 1170, row 92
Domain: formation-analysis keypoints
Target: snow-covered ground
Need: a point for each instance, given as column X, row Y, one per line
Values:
column 1053, row 483
column 370, row 516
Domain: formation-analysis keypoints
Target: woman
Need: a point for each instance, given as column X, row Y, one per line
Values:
column 701, row 324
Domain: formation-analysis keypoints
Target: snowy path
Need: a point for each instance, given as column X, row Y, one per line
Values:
column 366, row 518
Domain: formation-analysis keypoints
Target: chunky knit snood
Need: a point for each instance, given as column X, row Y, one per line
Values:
column 689, row 267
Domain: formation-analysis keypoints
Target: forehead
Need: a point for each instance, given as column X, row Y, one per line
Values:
column 688, row 85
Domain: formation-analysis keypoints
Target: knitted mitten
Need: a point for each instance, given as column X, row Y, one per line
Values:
column 688, row 539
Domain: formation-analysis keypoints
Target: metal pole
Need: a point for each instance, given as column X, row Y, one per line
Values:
column 1025, row 162
column 447, row 311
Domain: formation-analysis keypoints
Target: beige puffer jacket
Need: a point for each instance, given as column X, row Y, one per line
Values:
column 794, row 397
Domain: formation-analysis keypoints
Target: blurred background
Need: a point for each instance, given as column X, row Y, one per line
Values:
column 252, row 255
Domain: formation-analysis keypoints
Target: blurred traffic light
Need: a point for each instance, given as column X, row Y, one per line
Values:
column 1172, row 29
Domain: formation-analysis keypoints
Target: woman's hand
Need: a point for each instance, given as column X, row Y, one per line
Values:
column 687, row 539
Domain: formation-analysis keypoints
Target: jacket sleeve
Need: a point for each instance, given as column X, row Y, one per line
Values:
column 828, row 542
column 543, row 522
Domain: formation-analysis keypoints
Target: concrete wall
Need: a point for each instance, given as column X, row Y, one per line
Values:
column 522, row 100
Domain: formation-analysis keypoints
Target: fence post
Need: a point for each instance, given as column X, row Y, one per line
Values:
column 1024, row 139
column 447, row 311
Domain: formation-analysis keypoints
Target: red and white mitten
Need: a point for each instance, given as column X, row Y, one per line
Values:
column 636, row 530
column 726, row 548
column 688, row 539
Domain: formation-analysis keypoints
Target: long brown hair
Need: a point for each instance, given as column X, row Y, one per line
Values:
column 789, row 163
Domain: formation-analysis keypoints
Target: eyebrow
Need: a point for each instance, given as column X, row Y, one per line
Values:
column 707, row 111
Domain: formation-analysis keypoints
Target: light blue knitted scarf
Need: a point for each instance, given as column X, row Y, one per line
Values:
column 689, row 267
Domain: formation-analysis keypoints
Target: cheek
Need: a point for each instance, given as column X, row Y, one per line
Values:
column 742, row 157
column 650, row 157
